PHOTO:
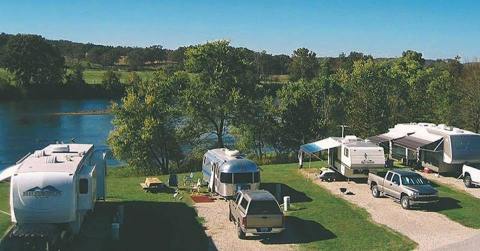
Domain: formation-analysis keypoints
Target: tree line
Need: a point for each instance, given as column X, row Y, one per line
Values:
column 174, row 117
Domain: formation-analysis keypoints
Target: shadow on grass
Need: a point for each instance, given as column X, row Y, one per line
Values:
column 297, row 231
column 444, row 203
column 147, row 226
column 295, row 196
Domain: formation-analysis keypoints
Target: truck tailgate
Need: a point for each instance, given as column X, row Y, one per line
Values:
column 265, row 220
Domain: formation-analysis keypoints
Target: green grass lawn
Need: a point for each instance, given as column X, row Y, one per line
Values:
column 327, row 222
column 4, row 206
column 95, row 76
column 458, row 205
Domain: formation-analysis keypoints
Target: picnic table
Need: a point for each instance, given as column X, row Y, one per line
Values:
column 152, row 184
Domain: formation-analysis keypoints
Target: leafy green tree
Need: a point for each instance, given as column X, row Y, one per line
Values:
column 111, row 81
column 33, row 60
column 470, row 101
column 75, row 78
column 145, row 124
column 221, row 91
column 304, row 65
column 367, row 92
column 154, row 53
column 135, row 59
column 133, row 78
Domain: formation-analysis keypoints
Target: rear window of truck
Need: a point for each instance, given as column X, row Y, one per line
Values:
column 263, row 207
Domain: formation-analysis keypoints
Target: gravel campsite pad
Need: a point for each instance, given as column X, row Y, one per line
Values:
column 429, row 229
column 223, row 234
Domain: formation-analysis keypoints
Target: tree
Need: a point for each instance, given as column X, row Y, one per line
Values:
column 135, row 58
column 304, row 65
column 221, row 91
column 75, row 78
column 367, row 92
column 154, row 53
column 33, row 60
column 111, row 81
column 145, row 124
column 470, row 102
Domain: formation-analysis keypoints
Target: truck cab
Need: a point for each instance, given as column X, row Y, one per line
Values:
column 407, row 187
column 256, row 212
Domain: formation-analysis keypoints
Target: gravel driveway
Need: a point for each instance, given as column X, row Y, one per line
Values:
column 429, row 229
column 222, row 232
column 452, row 182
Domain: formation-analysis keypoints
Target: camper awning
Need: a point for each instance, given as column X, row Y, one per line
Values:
column 6, row 173
column 416, row 141
column 320, row 145
column 392, row 135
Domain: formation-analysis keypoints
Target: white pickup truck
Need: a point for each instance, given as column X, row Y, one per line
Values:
column 471, row 175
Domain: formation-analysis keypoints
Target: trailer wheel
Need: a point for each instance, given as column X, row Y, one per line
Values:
column 405, row 201
column 240, row 233
column 375, row 192
column 467, row 180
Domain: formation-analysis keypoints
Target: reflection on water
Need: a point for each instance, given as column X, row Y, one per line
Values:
column 29, row 125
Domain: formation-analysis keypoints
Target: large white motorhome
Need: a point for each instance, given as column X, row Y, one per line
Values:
column 53, row 189
column 351, row 156
column 226, row 172
column 441, row 148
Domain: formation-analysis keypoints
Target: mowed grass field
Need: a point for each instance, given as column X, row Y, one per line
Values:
column 318, row 219
column 95, row 76
column 4, row 206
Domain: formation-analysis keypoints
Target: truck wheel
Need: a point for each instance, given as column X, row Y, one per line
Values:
column 375, row 191
column 467, row 180
column 405, row 201
column 240, row 233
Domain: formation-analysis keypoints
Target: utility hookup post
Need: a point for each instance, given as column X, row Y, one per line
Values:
column 343, row 130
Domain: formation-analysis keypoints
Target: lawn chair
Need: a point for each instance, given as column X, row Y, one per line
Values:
column 196, row 187
column 188, row 180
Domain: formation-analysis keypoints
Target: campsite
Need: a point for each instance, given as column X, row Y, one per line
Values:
column 239, row 125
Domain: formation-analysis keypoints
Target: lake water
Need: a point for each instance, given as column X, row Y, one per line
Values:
column 26, row 126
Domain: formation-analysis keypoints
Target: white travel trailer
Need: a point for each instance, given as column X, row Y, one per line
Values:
column 439, row 147
column 53, row 189
column 227, row 172
column 351, row 156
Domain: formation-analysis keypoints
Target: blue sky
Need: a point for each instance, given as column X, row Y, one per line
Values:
column 438, row 29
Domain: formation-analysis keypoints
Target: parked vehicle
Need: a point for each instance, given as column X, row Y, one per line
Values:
column 226, row 172
column 256, row 212
column 471, row 175
column 351, row 156
column 441, row 148
column 407, row 187
column 52, row 190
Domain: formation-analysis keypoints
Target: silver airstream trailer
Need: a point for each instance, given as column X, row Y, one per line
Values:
column 226, row 172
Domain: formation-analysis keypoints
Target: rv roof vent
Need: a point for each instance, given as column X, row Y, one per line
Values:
column 442, row 126
column 39, row 153
column 51, row 159
column 350, row 138
column 61, row 149
column 233, row 153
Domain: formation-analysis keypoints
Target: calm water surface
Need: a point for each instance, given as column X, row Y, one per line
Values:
column 29, row 125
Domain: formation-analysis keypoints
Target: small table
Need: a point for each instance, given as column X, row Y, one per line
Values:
column 152, row 184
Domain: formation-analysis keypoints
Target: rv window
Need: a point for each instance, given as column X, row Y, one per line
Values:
column 244, row 203
column 242, row 178
column 83, row 186
column 226, row 178
column 345, row 152
column 256, row 177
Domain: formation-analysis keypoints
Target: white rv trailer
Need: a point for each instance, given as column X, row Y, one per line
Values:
column 351, row 156
column 439, row 147
column 227, row 172
column 53, row 189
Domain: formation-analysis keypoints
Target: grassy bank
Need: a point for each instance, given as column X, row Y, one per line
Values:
column 327, row 222
column 95, row 76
